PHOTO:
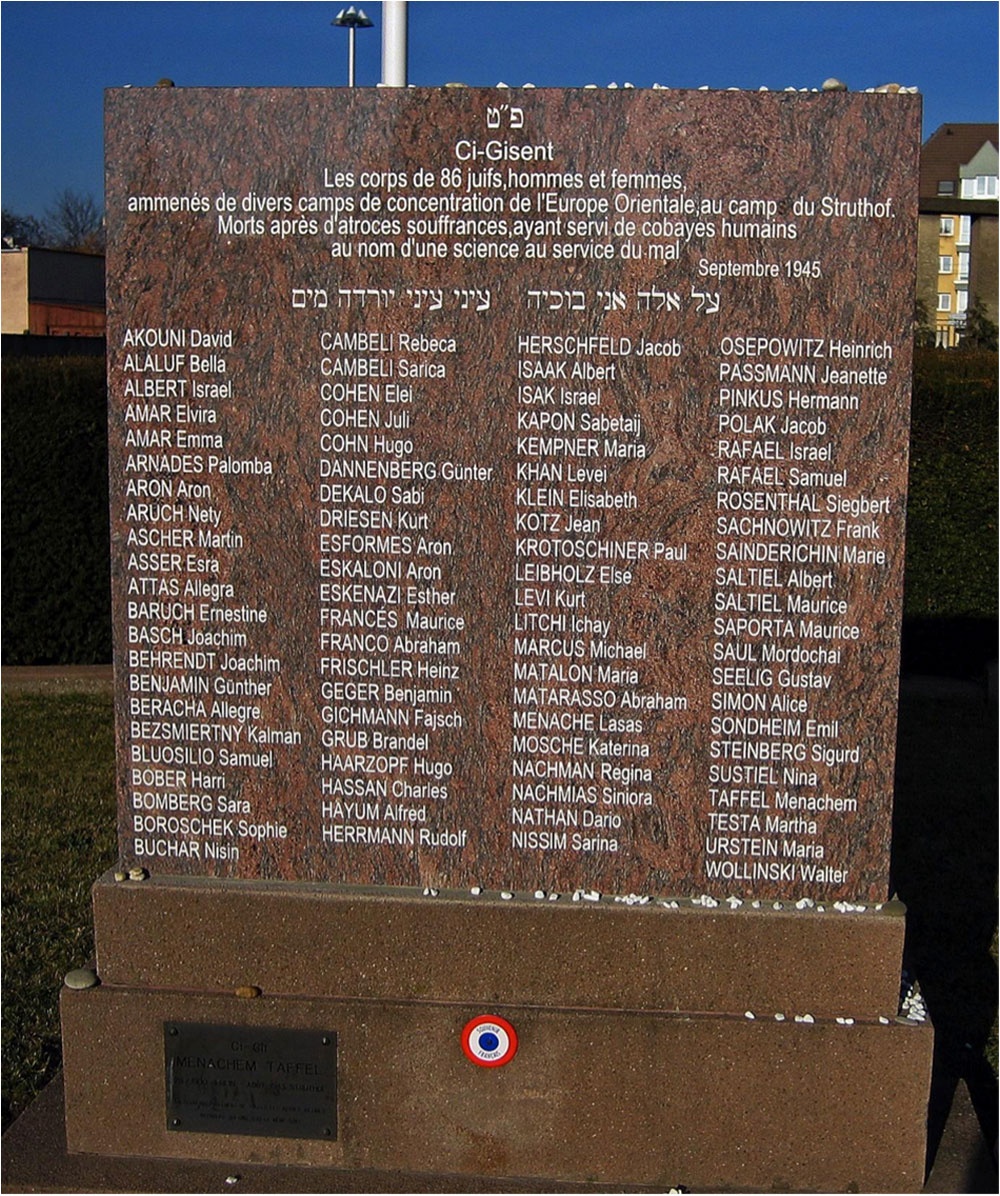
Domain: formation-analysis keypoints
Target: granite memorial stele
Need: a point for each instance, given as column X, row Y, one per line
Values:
column 507, row 505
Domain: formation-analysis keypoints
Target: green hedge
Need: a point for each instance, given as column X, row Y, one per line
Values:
column 55, row 549
column 56, row 604
column 951, row 526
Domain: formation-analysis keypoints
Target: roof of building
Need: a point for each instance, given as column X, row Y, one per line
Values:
column 948, row 149
column 60, row 275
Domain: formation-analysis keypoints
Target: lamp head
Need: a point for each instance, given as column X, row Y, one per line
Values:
column 352, row 18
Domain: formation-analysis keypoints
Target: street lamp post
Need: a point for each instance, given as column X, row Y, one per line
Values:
column 394, row 40
column 351, row 19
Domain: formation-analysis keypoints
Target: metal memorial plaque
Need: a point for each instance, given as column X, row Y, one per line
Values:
column 508, row 487
column 250, row 1080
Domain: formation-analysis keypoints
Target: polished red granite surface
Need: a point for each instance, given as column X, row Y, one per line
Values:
column 508, row 487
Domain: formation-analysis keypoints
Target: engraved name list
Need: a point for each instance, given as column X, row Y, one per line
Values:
column 508, row 487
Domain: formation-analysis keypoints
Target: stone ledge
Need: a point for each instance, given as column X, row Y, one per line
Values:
column 315, row 940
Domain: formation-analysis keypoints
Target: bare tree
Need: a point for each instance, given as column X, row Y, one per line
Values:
column 19, row 231
column 75, row 222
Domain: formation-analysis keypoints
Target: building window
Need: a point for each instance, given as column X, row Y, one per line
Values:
column 947, row 226
column 983, row 186
column 964, row 230
column 945, row 264
column 946, row 187
column 962, row 302
column 963, row 267
column 944, row 302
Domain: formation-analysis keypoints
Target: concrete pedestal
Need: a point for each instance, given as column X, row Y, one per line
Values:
column 638, row 1063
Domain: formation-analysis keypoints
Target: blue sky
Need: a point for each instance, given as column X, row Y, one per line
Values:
column 57, row 58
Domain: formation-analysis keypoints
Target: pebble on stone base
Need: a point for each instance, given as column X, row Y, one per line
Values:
column 81, row 978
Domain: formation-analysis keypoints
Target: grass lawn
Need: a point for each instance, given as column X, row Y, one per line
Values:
column 59, row 836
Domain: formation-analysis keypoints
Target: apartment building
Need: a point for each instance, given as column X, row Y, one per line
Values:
column 957, row 241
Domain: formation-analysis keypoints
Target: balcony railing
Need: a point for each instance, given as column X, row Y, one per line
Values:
column 948, row 330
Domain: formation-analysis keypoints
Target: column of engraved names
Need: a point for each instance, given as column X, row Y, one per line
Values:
column 198, row 688
column 792, row 530
column 392, row 622
column 581, row 764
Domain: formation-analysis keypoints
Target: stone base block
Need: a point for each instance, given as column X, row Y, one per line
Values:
column 394, row 944
column 35, row 1159
column 709, row 1102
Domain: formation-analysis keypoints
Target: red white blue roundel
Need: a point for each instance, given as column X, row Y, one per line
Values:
column 489, row 1041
